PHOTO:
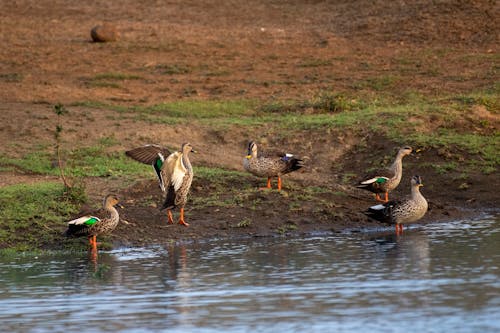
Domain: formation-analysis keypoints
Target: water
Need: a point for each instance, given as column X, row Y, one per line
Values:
column 434, row 278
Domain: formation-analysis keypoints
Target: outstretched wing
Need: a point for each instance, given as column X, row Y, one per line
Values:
column 148, row 154
column 154, row 155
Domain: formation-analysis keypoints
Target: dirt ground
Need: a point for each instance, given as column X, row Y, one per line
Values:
column 265, row 50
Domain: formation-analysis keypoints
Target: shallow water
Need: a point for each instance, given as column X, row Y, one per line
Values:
column 434, row 278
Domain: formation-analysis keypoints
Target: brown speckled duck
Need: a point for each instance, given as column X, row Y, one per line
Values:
column 174, row 172
column 270, row 166
column 385, row 180
column 101, row 222
column 404, row 211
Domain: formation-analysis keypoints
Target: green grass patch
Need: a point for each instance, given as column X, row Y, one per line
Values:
column 489, row 99
column 405, row 122
column 100, row 105
column 103, row 84
column 323, row 102
column 223, row 188
column 484, row 147
column 33, row 215
column 401, row 119
column 91, row 161
column 11, row 77
column 110, row 80
column 108, row 141
column 201, row 109
column 223, row 181
column 114, row 76
column 378, row 83
column 444, row 168
column 173, row 69
column 314, row 62
column 181, row 111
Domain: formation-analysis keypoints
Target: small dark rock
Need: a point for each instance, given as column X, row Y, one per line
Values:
column 104, row 33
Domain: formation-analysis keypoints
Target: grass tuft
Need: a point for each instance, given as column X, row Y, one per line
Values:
column 33, row 215
column 91, row 161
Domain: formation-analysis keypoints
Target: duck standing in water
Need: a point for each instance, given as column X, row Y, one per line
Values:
column 270, row 166
column 385, row 180
column 174, row 173
column 101, row 222
column 404, row 211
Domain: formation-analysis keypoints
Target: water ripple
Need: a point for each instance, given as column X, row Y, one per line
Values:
column 436, row 277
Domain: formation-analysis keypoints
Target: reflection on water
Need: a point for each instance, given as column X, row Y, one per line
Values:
column 442, row 278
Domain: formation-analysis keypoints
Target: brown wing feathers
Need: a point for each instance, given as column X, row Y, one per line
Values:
column 148, row 154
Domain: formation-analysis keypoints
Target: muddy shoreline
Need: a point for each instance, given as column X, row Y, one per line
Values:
column 146, row 225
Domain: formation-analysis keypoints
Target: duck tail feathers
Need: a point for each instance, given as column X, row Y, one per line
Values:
column 294, row 164
column 380, row 212
column 169, row 202
column 76, row 230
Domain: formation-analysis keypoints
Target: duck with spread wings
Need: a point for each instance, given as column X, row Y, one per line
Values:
column 174, row 172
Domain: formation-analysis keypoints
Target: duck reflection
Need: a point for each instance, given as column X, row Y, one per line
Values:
column 105, row 267
column 177, row 260
column 410, row 250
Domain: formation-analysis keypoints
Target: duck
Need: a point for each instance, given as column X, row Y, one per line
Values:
column 174, row 172
column 404, row 211
column 102, row 222
column 385, row 180
column 270, row 165
column 153, row 155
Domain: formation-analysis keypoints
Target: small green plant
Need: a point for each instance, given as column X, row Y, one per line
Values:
column 297, row 206
column 60, row 110
column 101, row 271
column 283, row 229
column 173, row 69
column 245, row 223
column 332, row 102
column 279, row 107
column 446, row 167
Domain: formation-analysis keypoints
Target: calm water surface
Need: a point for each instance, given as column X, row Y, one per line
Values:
column 434, row 278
